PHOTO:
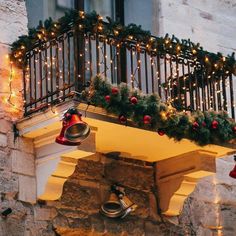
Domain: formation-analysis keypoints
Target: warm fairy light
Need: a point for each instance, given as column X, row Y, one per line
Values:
column 130, row 37
column 194, row 51
column 116, row 32
column 100, row 27
column 206, row 59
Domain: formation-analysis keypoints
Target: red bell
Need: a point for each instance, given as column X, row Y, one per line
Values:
column 74, row 130
column 232, row 173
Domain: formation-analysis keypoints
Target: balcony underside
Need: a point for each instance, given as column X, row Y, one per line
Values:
column 111, row 136
column 175, row 161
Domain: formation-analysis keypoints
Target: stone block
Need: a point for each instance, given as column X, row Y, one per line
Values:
column 82, row 197
column 5, row 161
column 88, row 169
column 8, row 182
column 42, row 213
column 225, row 194
column 81, row 223
column 5, row 126
column 129, row 175
column 228, row 217
column 3, row 140
column 21, row 143
column 152, row 228
column 27, row 189
column 22, row 163
column 97, row 223
column 60, row 221
column 15, row 25
column 205, row 190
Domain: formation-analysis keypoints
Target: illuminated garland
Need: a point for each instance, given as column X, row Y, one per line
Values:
column 9, row 98
column 150, row 113
column 94, row 24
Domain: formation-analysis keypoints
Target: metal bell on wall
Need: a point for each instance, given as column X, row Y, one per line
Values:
column 112, row 208
column 118, row 205
column 74, row 130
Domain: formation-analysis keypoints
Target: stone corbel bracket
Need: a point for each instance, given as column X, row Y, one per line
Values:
column 54, row 163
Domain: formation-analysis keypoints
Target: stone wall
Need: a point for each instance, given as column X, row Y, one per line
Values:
column 211, row 23
column 211, row 208
column 77, row 211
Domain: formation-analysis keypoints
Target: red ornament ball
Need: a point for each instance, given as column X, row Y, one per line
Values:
column 133, row 100
column 214, row 124
column 234, row 129
column 114, row 90
column 147, row 119
column 161, row 132
column 108, row 98
column 122, row 119
column 195, row 125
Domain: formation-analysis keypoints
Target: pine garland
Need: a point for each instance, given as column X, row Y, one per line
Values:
column 93, row 23
column 151, row 113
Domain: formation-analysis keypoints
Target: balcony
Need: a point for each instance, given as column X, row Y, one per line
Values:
column 64, row 57
column 59, row 60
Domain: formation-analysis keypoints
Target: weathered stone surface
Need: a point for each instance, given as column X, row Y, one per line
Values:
column 84, row 198
column 42, row 213
column 227, row 216
column 60, row 221
column 37, row 228
column 22, row 163
column 97, row 222
column 22, row 144
column 3, row 140
column 8, row 182
column 131, row 226
column 120, row 172
column 152, row 228
column 5, row 126
column 205, row 190
column 82, row 223
column 87, row 169
column 209, row 23
column 27, row 189
column 141, row 199
column 15, row 25
column 5, row 161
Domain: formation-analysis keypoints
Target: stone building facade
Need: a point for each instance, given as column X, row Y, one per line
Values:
column 209, row 210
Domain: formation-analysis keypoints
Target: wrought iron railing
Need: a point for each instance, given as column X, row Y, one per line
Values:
column 64, row 64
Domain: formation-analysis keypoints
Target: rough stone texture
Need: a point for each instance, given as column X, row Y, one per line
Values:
column 212, row 205
column 22, row 163
column 13, row 20
column 27, row 189
column 211, row 23
column 3, row 140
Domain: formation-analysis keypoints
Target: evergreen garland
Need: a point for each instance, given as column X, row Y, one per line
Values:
column 94, row 24
column 201, row 127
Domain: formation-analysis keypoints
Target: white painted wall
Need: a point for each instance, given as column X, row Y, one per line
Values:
column 209, row 22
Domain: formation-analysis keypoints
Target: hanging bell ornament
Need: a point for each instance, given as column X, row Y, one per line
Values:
column 74, row 130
